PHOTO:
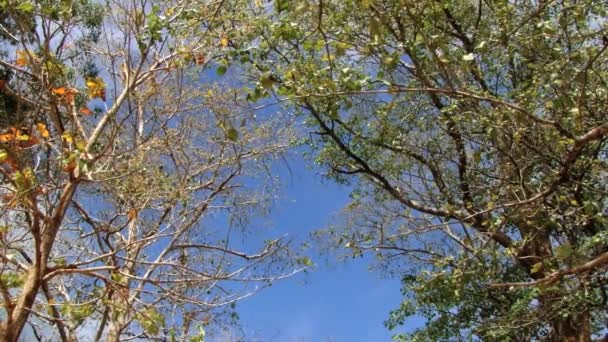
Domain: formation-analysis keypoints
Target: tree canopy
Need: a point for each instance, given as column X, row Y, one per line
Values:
column 136, row 139
column 474, row 133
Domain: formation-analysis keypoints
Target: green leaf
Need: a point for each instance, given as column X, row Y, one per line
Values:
column 151, row 320
column 26, row 7
column 60, row 261
column 221, row 70
column 12, row 280
column 119, row 278
column 267, row 80
column 82, row 311
column 306, row 261
column 232, row 134
column 536, row 267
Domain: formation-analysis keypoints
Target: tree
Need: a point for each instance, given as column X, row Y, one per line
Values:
column 475, row 135
column 127, row 174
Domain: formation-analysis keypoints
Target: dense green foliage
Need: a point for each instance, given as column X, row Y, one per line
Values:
column 475, row 135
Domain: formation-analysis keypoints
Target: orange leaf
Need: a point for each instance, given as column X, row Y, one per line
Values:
column 132, row 214
column 6, row 137
column 59, row 91
column 10, row 136
column 22, row 58
column 44, row 132
column 67, row 94
column 86, row 111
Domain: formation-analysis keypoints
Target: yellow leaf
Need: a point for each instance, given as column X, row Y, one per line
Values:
column 23, row 136
column 91, row 83
column 224, row 41
column 96, row 88
column 67, row 137
column 42, row 130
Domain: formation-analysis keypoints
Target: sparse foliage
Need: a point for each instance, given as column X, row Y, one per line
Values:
column 126, row 174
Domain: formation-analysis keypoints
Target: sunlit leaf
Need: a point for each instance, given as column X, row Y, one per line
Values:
column 67, row 137
column 86, row 111
column 22, row 58
column 9, row 136
column 26, row 7
column 66, row 94
column 60, row 91
column 96, row 88
column 469, row 57
column 44, row 132
column 536, row 267
column 224, row 41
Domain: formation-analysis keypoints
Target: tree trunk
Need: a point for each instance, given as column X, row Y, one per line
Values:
column 12, row 327
column 577, row 326
column 17, row 322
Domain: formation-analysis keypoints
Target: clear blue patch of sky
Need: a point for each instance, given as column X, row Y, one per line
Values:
column 336, row 301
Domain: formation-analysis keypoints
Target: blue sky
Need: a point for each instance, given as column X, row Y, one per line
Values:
column 337, row 301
